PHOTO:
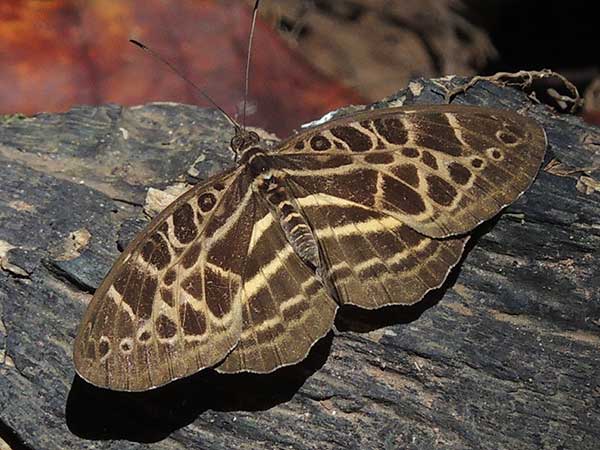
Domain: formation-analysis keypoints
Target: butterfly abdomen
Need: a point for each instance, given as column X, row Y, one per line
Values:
column 294, row 224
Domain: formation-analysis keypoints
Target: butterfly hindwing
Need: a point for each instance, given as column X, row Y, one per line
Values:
column 372, row 259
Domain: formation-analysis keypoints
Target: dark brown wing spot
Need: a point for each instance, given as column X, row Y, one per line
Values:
column 392, row 130
column 218, row 186
column 167, row 296
column 384, row 240
column 356, row 140
column 407, row 173
column 477, row 163
column 507, row 137
column 156, row 251
column 299, row 145
column 338, row 161
column 134, row 286
column 103, row 348
column 147, row 250
column 193, row 321
column 379, row 158
column 320, row 143
column 121, row 282
column 409, row 236
column 323, row 161
column 207, row 201
column 436, row 133
column 459, row 173
column 359, row 185
column 183, row 222
column 402, row 196
column 440, row 191
column 410, row 152
column 126, row 345
column 364, row 183
column 366, row 124
column 429, row 160
column 190, row 257
column 170, row 276
column 147, row 297
column 144, row 336
column 193, row 285
column 217, row 293
column 165, row 327
column 494, row 153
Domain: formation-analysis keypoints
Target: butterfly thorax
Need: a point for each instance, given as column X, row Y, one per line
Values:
column 256, row 160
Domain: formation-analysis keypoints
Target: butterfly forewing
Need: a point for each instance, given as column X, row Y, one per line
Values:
column 171, row 306
column 441, row 170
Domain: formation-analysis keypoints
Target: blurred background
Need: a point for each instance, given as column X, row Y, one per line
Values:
column 310, row 56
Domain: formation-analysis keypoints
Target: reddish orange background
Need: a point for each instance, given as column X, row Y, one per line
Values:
column 56, row 54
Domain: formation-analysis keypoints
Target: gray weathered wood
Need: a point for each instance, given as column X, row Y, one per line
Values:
column 504, row 356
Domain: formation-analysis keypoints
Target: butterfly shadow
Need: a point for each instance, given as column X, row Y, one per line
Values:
column 102, row 414
column 359, row 320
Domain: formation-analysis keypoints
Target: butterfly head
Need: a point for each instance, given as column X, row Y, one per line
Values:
column 243, row 140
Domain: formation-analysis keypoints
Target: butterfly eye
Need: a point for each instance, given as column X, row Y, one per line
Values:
column 236, row 143
column 244, row 140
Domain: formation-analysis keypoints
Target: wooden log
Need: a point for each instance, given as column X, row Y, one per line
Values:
column 505, row 355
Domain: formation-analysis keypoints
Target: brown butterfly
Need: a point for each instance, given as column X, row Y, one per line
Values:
column 245, row 272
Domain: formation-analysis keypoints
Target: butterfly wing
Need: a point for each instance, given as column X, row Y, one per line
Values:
column 285, row 307
column 441, row 170
column 171, row 304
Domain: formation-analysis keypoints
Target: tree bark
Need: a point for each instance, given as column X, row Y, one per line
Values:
column 505, row 355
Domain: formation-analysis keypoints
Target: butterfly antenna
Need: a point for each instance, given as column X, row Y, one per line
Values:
column 247, row 77
column 187, row 80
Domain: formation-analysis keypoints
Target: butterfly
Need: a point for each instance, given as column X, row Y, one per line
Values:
column 245, row 271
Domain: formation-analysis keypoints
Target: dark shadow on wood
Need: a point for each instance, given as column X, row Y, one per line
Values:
column 12, row 439
column 96, row 413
